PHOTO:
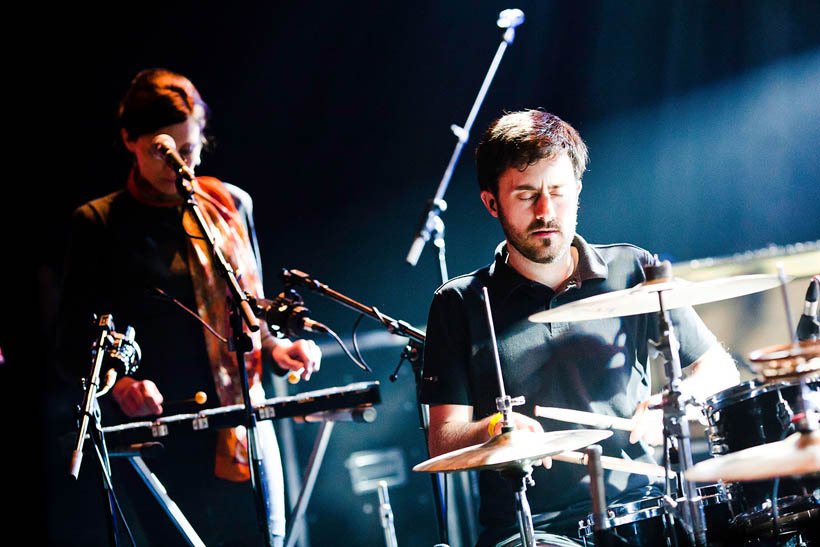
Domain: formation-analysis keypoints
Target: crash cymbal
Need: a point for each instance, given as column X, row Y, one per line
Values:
column 512, row 448
column 797, row 454
column 787, row 360
column 643, row 298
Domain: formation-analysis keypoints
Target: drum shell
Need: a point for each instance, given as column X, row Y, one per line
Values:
column 647, row 522
column 746, row 416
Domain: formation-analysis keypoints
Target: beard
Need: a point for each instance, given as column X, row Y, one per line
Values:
column 541, row 250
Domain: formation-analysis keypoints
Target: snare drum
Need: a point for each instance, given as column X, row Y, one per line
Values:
column 751, row 414
column 648, row 522
column 642, row 522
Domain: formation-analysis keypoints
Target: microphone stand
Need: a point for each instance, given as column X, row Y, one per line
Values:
column 431, row 223
column 412, row 352
column 241, row 313
column 90, row 411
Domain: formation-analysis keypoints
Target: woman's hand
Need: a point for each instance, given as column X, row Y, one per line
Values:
column 302, row 356
column 137, row 397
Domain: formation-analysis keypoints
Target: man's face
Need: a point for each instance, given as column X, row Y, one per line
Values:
column 537, row 208
column 152, row 166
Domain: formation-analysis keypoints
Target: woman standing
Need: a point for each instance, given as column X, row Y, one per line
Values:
column 138, row 254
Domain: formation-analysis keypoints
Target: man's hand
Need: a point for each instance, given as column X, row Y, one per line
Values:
column 301, row 356
column 648, row 422
column 137, row 398
column 519, row 421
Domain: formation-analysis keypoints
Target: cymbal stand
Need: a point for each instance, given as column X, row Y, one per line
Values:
column 674, row 415
column 386, row 516
column 521, row 473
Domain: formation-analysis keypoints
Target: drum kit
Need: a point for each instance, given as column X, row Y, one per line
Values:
column 763, row 481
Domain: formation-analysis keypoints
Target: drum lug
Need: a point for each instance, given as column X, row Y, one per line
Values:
column 719, row 449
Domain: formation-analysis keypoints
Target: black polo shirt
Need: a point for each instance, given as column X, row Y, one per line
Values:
column 597, row 366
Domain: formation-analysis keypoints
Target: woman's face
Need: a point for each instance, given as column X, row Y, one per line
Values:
column 150, row 163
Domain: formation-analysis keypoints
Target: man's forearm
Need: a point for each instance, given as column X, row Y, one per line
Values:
column 713, row 372
column 451, row 436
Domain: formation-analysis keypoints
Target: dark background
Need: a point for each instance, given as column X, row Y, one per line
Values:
column 702, row 120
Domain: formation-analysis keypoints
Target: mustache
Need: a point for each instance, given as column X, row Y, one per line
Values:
column 551, row 224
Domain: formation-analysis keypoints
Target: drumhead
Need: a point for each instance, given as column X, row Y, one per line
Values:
column 743, row 392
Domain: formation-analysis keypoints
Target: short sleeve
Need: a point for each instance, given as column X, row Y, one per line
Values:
column 446, row 352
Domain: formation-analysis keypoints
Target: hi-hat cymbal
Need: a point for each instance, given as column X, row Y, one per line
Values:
column 787, row 360
column 797, row 454
column 512, row 448
column 643, row 298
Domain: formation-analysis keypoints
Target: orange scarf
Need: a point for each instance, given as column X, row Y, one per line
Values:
column 211, row 292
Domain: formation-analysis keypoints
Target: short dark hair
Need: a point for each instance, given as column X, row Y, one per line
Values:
column 157, row 98
column 520, row 139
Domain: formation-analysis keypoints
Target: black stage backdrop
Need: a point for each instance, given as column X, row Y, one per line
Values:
column 702, row 120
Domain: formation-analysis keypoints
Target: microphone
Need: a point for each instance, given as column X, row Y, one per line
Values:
column 510, row 18
column 122, row 356
column 167, row 147
column 808, row 327
column 287, row 315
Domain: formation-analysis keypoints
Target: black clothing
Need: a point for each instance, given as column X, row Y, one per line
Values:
column 596, row 366
column 121, row 251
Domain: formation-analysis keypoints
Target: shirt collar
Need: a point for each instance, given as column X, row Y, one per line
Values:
column 506, row 279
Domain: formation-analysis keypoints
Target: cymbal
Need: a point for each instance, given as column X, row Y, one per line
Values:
column 643, row 298
column 797, row 454
column 512, row 448
column 787, row 360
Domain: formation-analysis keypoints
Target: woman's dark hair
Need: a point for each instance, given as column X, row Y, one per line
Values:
column 158, row 98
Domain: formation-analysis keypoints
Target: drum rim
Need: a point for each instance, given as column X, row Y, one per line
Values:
column 644, row 508
column 745, row 391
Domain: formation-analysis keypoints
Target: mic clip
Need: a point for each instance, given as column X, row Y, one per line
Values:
column 286, row 315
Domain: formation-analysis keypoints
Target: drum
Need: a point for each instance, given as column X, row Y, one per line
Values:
column 648, row 522
column 752, row 414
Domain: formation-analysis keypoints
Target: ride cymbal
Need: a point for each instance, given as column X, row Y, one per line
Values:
column 797, row 454
column 643, row 298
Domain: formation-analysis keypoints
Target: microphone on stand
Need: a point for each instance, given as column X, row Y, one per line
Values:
column 808, row 328
column 287, row 315
column 167, row 147
column 122, row 355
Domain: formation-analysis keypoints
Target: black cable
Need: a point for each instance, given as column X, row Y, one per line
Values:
column 159, row 292
column 339, row 341
column 355, row 340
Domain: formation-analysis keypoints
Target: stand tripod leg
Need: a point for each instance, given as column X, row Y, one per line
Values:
column 386, row 514
column 522, row 507
column 171, row 509
column 311, row 472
